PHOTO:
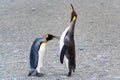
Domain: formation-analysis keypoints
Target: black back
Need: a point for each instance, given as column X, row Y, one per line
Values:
column 34, row 52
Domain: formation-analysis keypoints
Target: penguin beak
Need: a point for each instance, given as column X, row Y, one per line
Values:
column 72, row 9
column 51, row 37
column 73, row 14
column 56, row 37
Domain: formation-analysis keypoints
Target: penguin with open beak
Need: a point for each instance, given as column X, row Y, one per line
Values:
column 67, row 44
column 37, row 53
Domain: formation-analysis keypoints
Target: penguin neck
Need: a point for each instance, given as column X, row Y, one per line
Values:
column 71, row 28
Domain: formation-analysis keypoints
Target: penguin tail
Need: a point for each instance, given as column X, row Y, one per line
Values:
column 72, row 68
column 72, row 65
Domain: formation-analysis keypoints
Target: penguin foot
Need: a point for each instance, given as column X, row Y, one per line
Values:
column 69, row 74
column 39, row 74
column 73, row 70
column 30, row 73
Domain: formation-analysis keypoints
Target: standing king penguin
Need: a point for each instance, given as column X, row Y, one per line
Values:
column 67, row 44
column 37, row 53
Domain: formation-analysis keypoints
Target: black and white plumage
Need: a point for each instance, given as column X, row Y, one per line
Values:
column 37, row 53
column 67, row 44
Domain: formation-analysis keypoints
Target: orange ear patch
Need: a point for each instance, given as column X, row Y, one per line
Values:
column 46, row 36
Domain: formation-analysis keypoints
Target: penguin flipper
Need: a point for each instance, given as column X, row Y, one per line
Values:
column 63, row 53
column 33, row 59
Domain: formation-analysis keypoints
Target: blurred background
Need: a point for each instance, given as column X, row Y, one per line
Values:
column 97, row 38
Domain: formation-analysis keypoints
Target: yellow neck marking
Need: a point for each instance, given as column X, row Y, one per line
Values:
column 74, row 18
column 44, row 44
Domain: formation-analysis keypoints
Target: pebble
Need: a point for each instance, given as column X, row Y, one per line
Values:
column 106, row 70
column 23, row 61
column 3, row 6
column 93, row 78
column 9, row 43
column 94, row 59
column 81, row 49
column 50, row 73
column 116, row 77
column 99, row 56
column 54, row 62
column 17, row 50
column 63, row 76
column 87, row 53
column 33, row 9
column 1, row 66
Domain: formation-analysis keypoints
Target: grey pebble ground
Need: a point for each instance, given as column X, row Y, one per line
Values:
column 97, row 38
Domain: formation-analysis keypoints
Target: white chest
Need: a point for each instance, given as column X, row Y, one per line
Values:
column 41, row 53
column 62, row 38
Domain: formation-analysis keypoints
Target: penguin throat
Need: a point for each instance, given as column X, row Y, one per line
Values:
column 44, row 44
column 74, row 18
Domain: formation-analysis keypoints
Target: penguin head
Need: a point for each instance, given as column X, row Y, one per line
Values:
column 73, row 14
column 49, row 37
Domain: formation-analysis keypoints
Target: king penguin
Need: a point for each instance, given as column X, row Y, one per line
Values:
column 37, row 53
column 67, row 44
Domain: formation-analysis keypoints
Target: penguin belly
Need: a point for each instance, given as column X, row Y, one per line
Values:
column 62, row 38
column 41, row 53
column 62, row 43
